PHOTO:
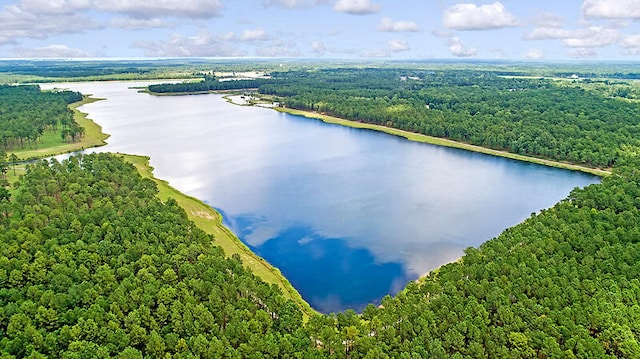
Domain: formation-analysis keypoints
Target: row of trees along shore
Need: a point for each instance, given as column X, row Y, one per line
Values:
column 568, row 120
column 93, row 264
column 26, row 113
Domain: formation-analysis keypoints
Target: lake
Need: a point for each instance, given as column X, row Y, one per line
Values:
column 347, row 215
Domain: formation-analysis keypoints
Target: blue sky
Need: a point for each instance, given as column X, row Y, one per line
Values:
column 330, row 29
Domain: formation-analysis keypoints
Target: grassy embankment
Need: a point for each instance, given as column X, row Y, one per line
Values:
column 52, row 144
column 411, row 136
column 209, row 220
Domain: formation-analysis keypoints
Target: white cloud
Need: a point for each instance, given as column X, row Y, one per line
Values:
column 197, row 9
column 51, row 51
column 631, row 44
column 582, row 53
column 534, row 54
column 388, row 25
column 594, row 36
column 200, row 45
column 473, row 17
column 318, row 47
column 611, row 9
column 138, row 24
column 55, row 6
column 16, row 23
column 227, row 36
column 458, row 49
column 547, row 19
column 357, row 7
column 546, row 33
column 397, row 45
column 254, row 35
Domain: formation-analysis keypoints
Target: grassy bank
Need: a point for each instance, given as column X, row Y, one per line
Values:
column 411, row 136
column 209, row 220
column 52, row 144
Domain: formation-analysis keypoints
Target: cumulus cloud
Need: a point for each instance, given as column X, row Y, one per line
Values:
column 458, row 49
column 227, row 36
column 357, row 7
column 534, row 54
column 388, row 25
column 16, row 22
column 473, row 17
column 631, row 44
column 138, row 24
column 594, row 36
column 201, row 45
column 254, row 35
column 611, row 9
column 397, row 45
column 55, row 7
column 547, row 19
column 197, row 9
column 51, row 51
column 547, row 33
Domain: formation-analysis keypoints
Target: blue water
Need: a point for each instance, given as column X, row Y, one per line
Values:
column 347, row 215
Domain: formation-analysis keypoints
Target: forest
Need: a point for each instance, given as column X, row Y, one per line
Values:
column 93, row 264
column 26, row 113
column 537, row 117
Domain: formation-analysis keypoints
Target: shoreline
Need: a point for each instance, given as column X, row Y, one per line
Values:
column 210, row 221
column 93, row 137
column 416, row 137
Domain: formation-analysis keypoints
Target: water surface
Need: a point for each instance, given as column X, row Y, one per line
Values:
column 348, row 215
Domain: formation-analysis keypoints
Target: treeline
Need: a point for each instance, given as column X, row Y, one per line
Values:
column 70, row 69
column 26, row 113
column 210, row 83
column 535, row 117
column 94, row 265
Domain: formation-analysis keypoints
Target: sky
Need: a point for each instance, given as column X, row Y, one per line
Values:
column 322, row 29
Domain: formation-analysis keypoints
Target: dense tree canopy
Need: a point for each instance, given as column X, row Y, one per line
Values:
column 26, row 113
column 528, row 116
column 92, row 264
column 210, row 83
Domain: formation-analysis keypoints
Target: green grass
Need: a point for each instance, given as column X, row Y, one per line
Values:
column 416, row 137
column 52, row 144
column 210, row 221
